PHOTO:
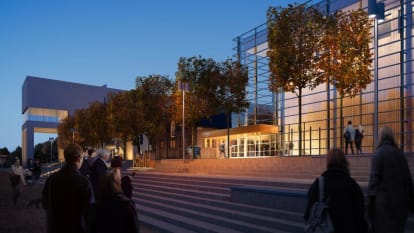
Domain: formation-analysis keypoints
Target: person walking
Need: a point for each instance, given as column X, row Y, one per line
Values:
column 358, row 141
column 98, row 168
column 349, row 135
column 67, row 195
column 86, row 168
column 344, row 196
column 15, row 178
column 390, row 186
column 115, row 213
column 18, row 169
column 222, row 147
column 37, row 170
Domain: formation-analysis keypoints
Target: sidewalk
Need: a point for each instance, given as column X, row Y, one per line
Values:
column 21, row 218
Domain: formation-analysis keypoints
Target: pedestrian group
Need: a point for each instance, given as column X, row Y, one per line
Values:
column 85, row 196
column 389, row 199
column 91, row 201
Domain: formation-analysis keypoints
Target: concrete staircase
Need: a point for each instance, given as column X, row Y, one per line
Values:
column 191, row 203
column 195, row 195
column 275, row 167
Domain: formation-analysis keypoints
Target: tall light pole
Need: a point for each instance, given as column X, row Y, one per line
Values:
column 376, row 12
column 73, row 135
column 183, row 86
column 51, row 143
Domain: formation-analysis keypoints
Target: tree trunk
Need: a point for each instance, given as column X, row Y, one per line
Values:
column 228, row 134
column 300, row 121
column 192, row 140
column 328, row 121
column 341, row 116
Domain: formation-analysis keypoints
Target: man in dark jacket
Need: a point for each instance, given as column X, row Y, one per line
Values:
column 344, row 196
column 99, row 169
column 86, row 168
column 115, row 213
column 67, row 195
column 390, row 187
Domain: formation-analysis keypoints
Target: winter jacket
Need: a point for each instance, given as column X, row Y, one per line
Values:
column 390, row 189
column 66, row 199
column 344, row 198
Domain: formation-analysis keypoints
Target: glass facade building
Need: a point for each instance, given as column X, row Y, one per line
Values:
column 387, row 101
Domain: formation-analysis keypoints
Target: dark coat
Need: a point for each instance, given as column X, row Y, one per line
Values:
column 126, row 184
column 66, row 199
column 358, row 137
column 85, row 168
column 346, row 201
column 390, row 189
column 116, row 214
column 98, row 171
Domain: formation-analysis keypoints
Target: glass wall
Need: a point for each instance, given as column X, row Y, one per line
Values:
column 45, row 115
column 325, row 113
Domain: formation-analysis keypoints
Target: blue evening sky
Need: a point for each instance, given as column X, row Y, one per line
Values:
column 110, row 42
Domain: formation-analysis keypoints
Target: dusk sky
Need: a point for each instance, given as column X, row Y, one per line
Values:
column 110, row 42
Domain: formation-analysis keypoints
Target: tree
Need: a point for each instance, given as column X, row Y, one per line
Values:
column 200, row 74
column 345, row 54
column 82, row 126
column 231, row 91
column 154, row 93
column 122, row 115
column 39, row 152
column 4, row 151
column 17, row 153
column 98, row 124
column 294, row 35
column 66, row 131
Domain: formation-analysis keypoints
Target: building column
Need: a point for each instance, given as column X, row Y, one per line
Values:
column 27, row 144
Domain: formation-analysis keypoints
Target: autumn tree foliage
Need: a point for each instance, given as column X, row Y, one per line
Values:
column 307, row 49
column 66, row 131
column 345, row 56
column 200, row 99
column 294, row 36
column 154, row 95
column 231, row 91
column 99, row 132
column 122, row 112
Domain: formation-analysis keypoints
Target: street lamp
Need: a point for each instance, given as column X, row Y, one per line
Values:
column 51, row 142
column 73, row 135
column 376, row 12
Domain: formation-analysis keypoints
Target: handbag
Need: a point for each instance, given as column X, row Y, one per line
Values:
column 320, row 220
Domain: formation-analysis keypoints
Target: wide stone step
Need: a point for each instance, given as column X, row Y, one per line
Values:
column 206, row 194
column 248, row 213
column 267, row 212
column 225, row 181
column 203, row 199
column 184, row 185
column 204, row 222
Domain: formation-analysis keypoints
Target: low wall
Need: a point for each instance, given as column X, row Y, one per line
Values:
column 296, row 167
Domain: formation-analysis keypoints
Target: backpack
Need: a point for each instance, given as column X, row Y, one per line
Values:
column 347, row 136
column 320, row 219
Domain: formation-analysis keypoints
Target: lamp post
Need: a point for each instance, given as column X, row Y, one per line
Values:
column 51, row 143
column 183, row 86
column 376, row 12
column 73, row 135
